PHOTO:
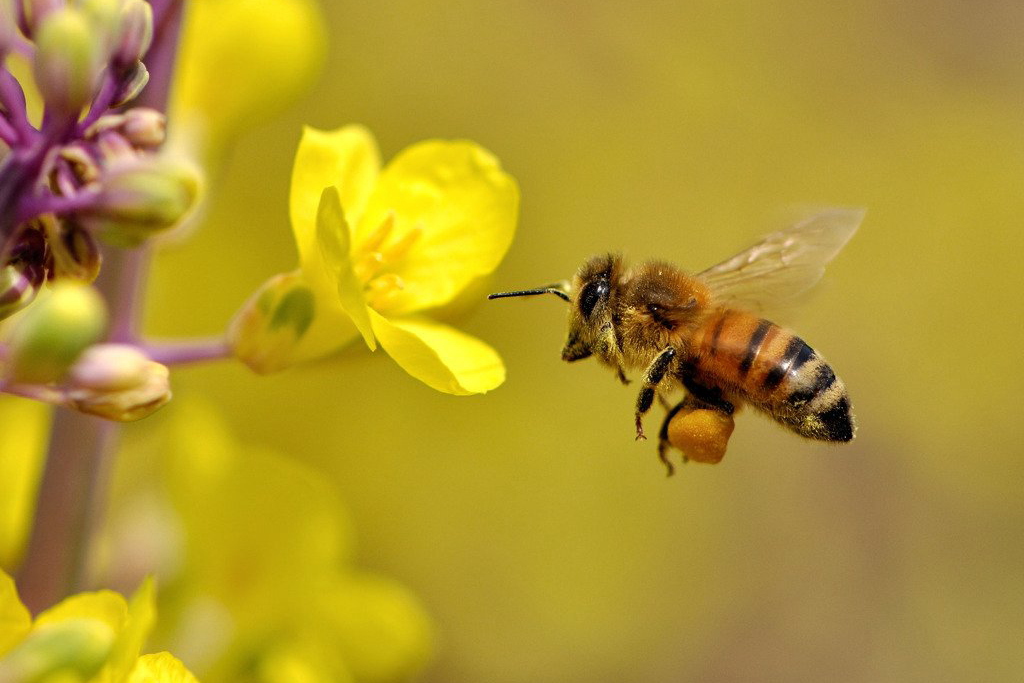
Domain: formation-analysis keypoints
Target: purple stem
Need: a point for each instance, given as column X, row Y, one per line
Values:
column 74, row 487
column 184, row 352
column 162, row 53
column 39, row 204
column 12, row 97
column 72, row 496
column 126, row 270
column 101, row 103
column 7, row 132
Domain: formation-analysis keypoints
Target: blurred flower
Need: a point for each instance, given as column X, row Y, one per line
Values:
column 25, row 426
column 258, row 571
column 378, row 248
column 87, row 637
column 265, row 53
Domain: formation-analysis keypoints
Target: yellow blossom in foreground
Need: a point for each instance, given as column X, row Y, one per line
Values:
column 87, row 638
column 378, row 249
column 25, row 425
column 256, row 557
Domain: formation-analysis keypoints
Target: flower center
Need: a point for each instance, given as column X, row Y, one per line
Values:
column 377, row 258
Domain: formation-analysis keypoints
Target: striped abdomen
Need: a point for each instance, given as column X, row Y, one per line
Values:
column 775, row 371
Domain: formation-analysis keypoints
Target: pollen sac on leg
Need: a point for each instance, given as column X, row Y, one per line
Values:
column 700, row 433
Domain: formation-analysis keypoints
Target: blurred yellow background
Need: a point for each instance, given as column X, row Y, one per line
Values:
column 545, row 542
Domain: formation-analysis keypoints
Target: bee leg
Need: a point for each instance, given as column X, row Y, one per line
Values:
column 663, row 443
column 653, row 376
column 607, row 349
column 706, row 397
column 689, row 402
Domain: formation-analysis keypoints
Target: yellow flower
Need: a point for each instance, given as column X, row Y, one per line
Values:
column 25, row 424
column 89, row 637
column 263, row 586
column 379, row 248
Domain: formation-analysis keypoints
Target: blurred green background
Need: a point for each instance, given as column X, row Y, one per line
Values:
column 545, row 542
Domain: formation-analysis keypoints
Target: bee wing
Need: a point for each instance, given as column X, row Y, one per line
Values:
column 785, row 264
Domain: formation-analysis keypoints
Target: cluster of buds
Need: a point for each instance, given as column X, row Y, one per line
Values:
column 91, row 168
column 54, row 355
column 88, row 171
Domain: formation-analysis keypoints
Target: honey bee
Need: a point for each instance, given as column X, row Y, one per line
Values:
column 703, row 332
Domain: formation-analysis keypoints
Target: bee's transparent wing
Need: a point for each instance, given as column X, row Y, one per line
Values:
column 785, row 264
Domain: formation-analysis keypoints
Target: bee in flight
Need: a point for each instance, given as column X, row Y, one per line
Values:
column 703, row 332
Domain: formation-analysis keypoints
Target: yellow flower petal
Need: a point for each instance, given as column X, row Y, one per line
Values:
column 161, row 667
column 335, row 247
column 141, row 615
column 466, row 207
column 14, row 617
column 380, row 627
column 440, row 356
column 346, row 158
column 26, row 425
column 106, row 606
column 241, row 60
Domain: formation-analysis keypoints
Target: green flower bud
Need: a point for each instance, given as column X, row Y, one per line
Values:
column 135, row 33
column 117, row 382
column 141, row 197
column 35, row 10
column 67, row 60
column 76, row 648
column 105, row 17
column 51, row 334
column 266, row 331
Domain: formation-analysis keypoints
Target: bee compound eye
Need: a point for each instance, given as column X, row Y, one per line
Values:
column 592, row 293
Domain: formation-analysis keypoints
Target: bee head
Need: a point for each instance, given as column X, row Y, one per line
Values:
column 591, row 296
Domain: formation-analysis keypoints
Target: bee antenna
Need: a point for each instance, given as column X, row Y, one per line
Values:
column 556, row 289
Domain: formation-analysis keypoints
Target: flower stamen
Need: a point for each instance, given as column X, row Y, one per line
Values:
column 381, row 290
column 368, row 265
column 376, row 238
column 400, row 248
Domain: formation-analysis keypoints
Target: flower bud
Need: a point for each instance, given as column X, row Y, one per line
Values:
column 67, row 60
column 68, row 650
column 51, row 334
column 135, row 33
column 74, row 253
column 144, row 127
column 34, row 11
column 266, row 331
column 117, row 382
column 17, row 289
column 130, row 87
column 140, row 197
column 139, row 127
column 8, row 28
column 24, row 273
column 105, row 18
column 701, row 434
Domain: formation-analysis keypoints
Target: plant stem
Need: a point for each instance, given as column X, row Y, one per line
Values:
column 73, row 493
column 184, row 352
column 71, row 501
